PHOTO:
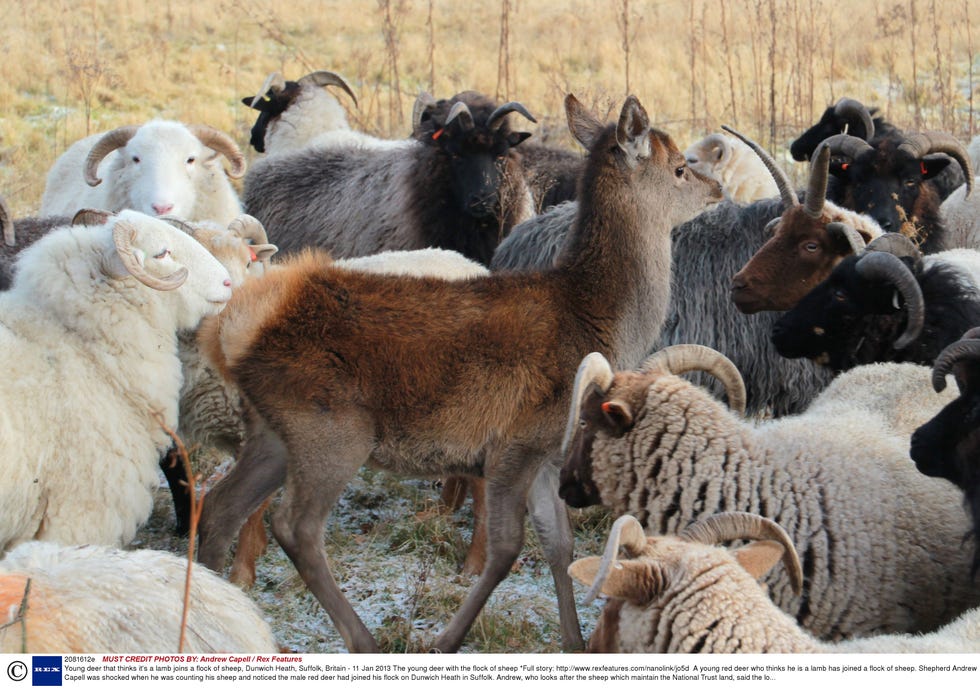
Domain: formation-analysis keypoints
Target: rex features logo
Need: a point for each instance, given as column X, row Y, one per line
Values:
column 46, row 671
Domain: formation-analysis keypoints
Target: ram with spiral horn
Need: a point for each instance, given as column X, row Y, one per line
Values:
column 686, row 593
column 159, row 168
column 651, row 444
column 888, row 303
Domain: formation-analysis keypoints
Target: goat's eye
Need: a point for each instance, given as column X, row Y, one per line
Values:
column 811, row 247
column 840, row 296
column 162, row 255
column 911, row 183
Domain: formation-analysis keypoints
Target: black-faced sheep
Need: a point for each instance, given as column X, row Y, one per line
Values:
column 92, row 599
column 880, row 545
column 297, row 114
column 945, row 446
column 92, row 319
column 459, row 186
column 884, row 305
column 430, row 377
column 158, row 168
column 684, row 593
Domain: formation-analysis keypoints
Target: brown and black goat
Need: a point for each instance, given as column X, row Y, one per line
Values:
column 429, row 377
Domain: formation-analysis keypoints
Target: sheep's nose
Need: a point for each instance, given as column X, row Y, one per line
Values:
column 163, row 209
column 227, row 282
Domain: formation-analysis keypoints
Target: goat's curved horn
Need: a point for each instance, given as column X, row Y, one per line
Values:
column 249, row 228
column 848, row 233
column 627, row 532
column 852, row 112
column 965, row 349
column 462, row 112
column 887, row 267
column 422, row 102
column 498, row 114
column 123, row 234
column 593, row 369
column 275, row 82
column 112, row 140
column 816, row 192
column 735, row 525
column 921, row 144
column 847, row 145
column 324, row 78
column 681, row 358
column 783, row 183
column 7, row 225
column 221, row 143
column 896, row 244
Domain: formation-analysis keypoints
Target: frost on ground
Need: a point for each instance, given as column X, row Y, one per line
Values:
column 396, row 555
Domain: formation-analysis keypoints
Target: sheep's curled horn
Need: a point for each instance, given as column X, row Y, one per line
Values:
column 786, row 192
column 325, row 78
column 918, row 145
column 854, row 112
column 967, row 348
column 725, row 527
column 679, row 358
column 7, row 224
column 875, row 265
column 462, row 112
column 208, row 135
column 422, row 102
column 123, row 234
column 683, row 358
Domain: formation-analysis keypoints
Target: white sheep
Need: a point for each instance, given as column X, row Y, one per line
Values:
column 94, row 599
column 743, row 176
column 296, row 115
column 685, row 594
column 882, row 543
column 90, row 330
column 159, row 168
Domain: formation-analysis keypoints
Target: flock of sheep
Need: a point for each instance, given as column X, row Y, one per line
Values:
column 467, row 305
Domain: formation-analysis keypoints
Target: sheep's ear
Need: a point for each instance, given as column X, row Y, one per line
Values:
column 618, row 416
column 516, row 138
column 759, row 557
column 247, row 101
column 632, row 131
column 931, row 165
column 583, row 125
column 635, row 581
column 262, row 253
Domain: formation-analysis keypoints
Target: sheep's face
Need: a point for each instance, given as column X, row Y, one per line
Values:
column 891, row 186
column 603, row 414
column 161, row 251
column 800, row 254
column 948, row 445
column 826, row 324
column 160, row 170
column 710, row 155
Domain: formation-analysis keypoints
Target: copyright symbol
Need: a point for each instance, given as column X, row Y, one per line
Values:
column 17, row 671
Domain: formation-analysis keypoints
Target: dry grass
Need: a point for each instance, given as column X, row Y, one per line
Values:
column 767, row 67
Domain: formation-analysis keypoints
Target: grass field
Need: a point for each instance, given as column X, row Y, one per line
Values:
column 768, row 67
